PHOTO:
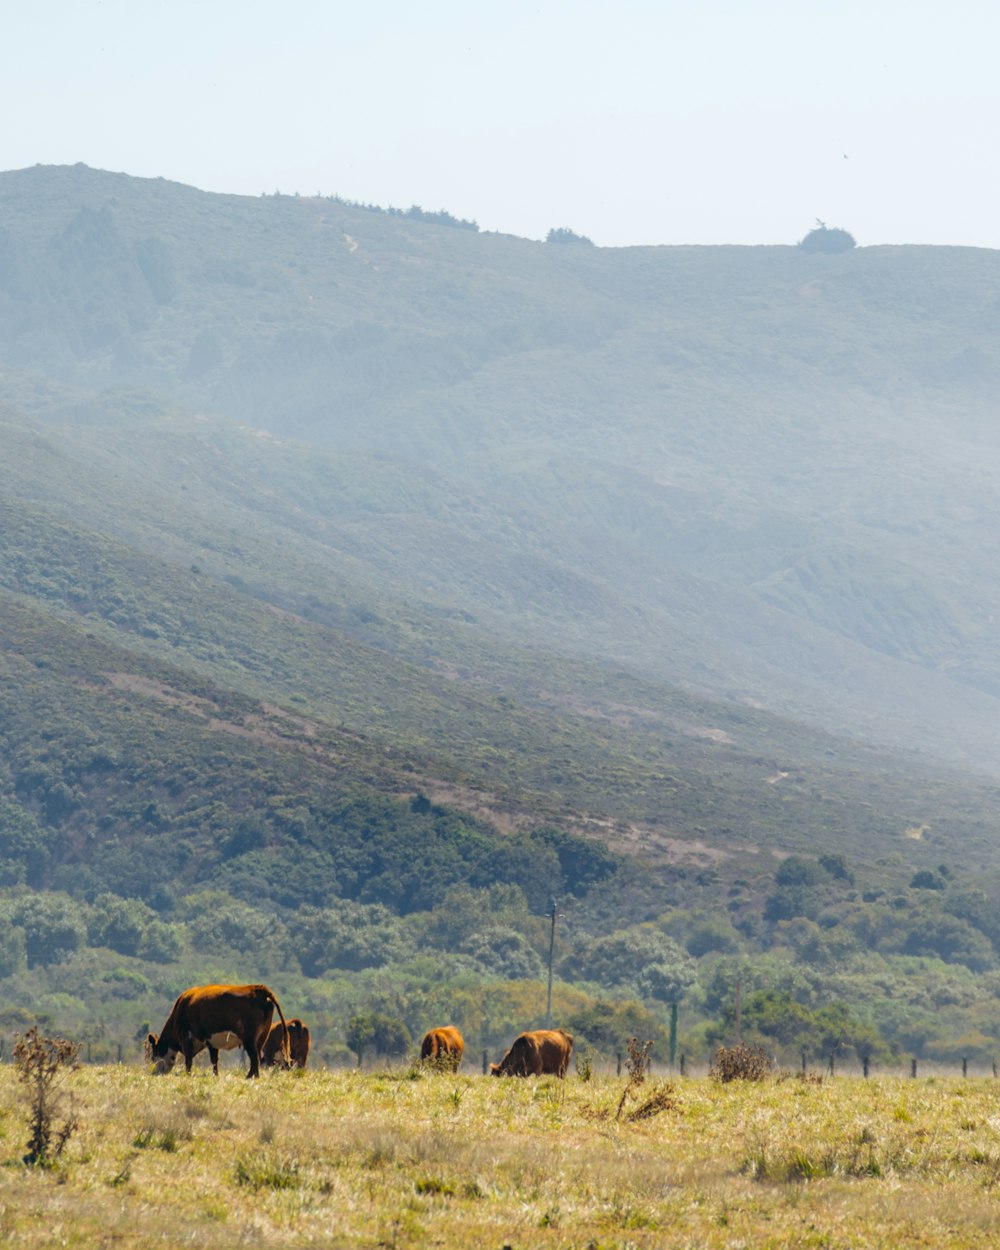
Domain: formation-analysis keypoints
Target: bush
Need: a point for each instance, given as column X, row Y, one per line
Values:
column 641, row 957
column 796, row 870
column 378, row 1033
column 354, row 936
column 54, row 927
column 118, row 923
column 606, row 1026
column 505, row 953
column 712, row 934
column 740, row 1063
column 950, row 939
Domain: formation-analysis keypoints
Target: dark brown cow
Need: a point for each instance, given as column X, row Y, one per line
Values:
column 220, row 1017
column 444, row 1046
column 298, row 1045
column 545, row 1052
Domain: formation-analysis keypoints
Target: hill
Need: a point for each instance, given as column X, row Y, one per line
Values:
column 384, row 576
column 749, row 470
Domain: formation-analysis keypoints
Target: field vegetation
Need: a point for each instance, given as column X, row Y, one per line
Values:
column 400, row 1158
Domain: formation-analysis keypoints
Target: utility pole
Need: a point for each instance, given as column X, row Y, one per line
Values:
column 673, row 1032
column 552, row 913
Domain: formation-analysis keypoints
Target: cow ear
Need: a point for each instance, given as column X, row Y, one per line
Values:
column 151, row 1040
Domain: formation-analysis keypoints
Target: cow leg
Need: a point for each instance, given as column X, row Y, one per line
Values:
column 187, row 1045
column 253, row 1054
column 213, row 1054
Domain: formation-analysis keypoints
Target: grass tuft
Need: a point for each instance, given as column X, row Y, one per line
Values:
column 266, row 1170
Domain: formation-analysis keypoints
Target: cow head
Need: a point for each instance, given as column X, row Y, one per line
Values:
column 496, row 1069
column 160, row 1054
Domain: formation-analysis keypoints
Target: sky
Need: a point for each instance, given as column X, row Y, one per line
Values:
column 632, row 123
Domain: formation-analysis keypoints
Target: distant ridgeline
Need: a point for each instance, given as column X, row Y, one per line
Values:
column 414, row 213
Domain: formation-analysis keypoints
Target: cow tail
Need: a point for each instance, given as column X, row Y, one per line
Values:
column 286, row 1052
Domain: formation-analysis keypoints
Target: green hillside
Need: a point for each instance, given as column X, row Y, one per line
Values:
column 750, row 470
column 367, row 577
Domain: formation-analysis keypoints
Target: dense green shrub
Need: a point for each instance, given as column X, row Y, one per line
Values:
column 118, row 923
column 350, row 936
column 712, row 934
column 379, row 1034
column 777, row 1019
column 607, row 1026
column 951, row 939
column 504, row 953
column 54, row 926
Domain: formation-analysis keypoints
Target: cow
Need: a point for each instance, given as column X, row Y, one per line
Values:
column 444, row 1047
column 298, row 1044
column 545, row 1052
column 220, row 1017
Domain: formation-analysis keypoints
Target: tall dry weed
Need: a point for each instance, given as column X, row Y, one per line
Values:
column 41, row 1064
column 636, row 1065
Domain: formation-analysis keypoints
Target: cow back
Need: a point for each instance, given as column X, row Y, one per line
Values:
column 539, row 1052
column 445, row 1044
column 555, row 1046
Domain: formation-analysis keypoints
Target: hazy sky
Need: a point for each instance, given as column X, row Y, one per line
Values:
column 631, row 122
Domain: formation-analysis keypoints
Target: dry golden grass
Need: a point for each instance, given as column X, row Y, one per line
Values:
column 368, row 1160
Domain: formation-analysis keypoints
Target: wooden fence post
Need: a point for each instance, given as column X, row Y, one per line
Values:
column 913, row 1067
column 619, row 1063
column 803, row 1063
column 832, row 1072
column 683, row 1064
column 486, row 1062
column 864, row 1066
column 965, row 1067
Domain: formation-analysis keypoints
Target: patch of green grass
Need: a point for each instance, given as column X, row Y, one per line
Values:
column 267, row 1170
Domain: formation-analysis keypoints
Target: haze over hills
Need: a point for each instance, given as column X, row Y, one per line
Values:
column 765, row 476
column 367, row 582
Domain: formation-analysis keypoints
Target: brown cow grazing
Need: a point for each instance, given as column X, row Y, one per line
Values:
column 220, row 1017
column 545, row 1052
column 443, row 1046
column 297, row 1034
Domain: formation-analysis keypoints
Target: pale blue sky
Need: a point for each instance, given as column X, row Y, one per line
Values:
column 632, row 122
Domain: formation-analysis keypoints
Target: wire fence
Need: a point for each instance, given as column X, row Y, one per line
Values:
column 827, row 1067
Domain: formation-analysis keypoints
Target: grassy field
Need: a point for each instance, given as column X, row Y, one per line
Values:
column 393, row 1160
